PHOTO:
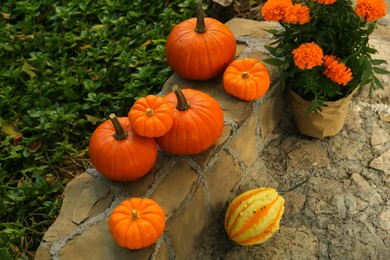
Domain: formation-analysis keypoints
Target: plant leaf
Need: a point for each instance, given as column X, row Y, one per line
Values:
column 380, row 70
column 378, row 62
column 29, row 69
column 378, row 83
column 92, row 119
column 275, row 62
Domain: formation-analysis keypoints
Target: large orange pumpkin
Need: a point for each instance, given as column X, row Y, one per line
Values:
column 137, row 223
column 151, row 116
column 247, row 79
column 120, row 154
column 200, row 48
column 198, row 122
column 254, row 216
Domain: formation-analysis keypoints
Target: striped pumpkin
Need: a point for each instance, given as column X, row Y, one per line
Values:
column 254, row 216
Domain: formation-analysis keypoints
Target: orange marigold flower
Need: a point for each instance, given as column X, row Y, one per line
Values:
column 328, row 59
column 325, row 2
column 336, row 71
column 370, row 10
column 308, row 55
column 297, row 14
column 274, row 10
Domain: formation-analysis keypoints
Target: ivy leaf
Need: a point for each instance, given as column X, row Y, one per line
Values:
column 5, row 16
column 92, row 119
column 29, row 69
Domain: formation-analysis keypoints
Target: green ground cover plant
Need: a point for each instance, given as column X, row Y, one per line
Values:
column 64, row 67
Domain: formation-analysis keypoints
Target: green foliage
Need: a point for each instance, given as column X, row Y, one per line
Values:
column 339, row 31
column 65, row 66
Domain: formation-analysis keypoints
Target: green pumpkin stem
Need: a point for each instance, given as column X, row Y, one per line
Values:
column 134, row 215
column 120, row 133
column 200, row 24
column 182, row 103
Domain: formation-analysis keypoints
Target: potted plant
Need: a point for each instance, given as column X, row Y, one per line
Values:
column 325, row 57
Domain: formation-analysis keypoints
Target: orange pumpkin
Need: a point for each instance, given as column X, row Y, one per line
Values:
column 200, row 48
column 254, row 216
column 247, row 79
column 120, row 154
column 137, row 223
column 198, row 122
column 151, row 116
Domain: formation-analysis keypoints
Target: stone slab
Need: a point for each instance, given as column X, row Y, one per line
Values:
column 84, row 197
column 221, row 180
column 244, row 143
column 96, row 242
column 271, row 112
column 204, row 158
column 174, row 189
column 184, row 230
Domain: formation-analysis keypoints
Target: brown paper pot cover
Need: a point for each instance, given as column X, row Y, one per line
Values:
column 320, row 124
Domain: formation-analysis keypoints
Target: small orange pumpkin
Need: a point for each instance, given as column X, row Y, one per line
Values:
column 151, row 116
column 137, row 223
column 198, row 122
column 200, row 48
column 120, row 154
column 254, row 216
column 247, row 79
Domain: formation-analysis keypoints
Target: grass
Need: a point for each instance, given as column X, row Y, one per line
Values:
column 65, row 66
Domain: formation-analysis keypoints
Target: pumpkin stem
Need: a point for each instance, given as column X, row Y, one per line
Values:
column 134, row 215
column 120, row 133
column 149, row 112
column 200, row 24
column 182, row 103
column 245, row 75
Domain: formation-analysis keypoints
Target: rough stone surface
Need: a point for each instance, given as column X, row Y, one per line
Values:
column 204, row 158
column 290, row 243
column 244, row 143
column 163, row 252
column 175, row 188
column 379, row 135
column 226, row 171
column 43, row 253
column 385, row 117
column 248, row 31
column 272, row 111
column 84, row 197
column 335, row 209
column 307, row 155
column 82, row 247
column 183, row 227
column 382, row 163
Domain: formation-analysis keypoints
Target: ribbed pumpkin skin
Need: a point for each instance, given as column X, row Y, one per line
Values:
column 155, row 125
column 196, row 129
column 121, row 160
column 254, row 216
column 200, row 56
column 253, row 85
column 139, row 233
